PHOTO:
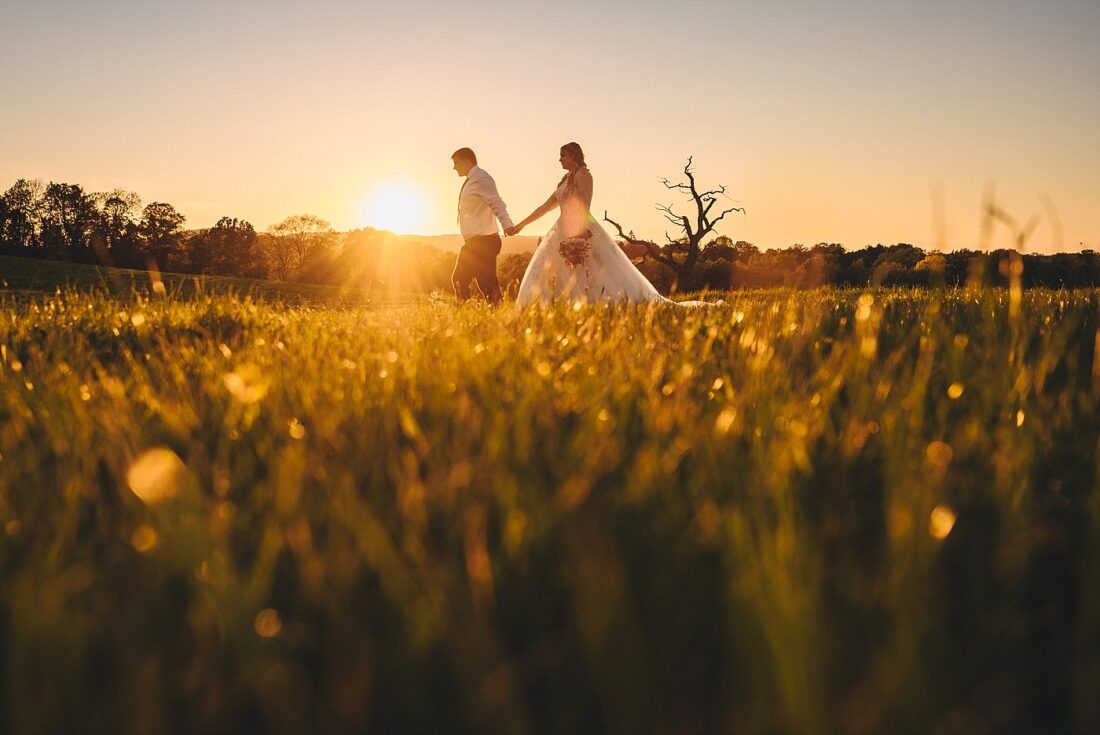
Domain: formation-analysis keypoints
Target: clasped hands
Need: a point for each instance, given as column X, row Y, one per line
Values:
column 513, row 230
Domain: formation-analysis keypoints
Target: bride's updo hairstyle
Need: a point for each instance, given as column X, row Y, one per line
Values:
column 574, row 150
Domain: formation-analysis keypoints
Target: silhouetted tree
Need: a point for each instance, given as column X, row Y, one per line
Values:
column 69, row 219
column 161, row 229
column 296, row 239
column 5, row 215
column 933, row 269
column 744, row 251
column 903, row 254
column 724, row 248
column 21, row 217
column 720, row 248
column 695, row 229
column 117, row 228
column 227, row 249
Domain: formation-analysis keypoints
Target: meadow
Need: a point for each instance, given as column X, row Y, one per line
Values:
column 801, row 512
column 27, row 278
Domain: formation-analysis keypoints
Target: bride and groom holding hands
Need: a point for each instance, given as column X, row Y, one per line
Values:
column 576, row 260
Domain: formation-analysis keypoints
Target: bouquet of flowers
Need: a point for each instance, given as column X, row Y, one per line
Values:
column 574, row 250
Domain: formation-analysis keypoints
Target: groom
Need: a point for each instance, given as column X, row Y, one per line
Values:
column 479, row 208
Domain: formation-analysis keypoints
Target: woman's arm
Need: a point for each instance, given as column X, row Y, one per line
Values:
column 583, row 182
column 542, row 209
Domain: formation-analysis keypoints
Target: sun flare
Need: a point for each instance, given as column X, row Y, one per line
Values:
column 395, row 207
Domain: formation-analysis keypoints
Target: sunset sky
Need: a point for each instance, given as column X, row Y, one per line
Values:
column 854, row 122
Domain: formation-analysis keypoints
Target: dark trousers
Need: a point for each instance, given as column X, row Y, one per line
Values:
column 477, row 261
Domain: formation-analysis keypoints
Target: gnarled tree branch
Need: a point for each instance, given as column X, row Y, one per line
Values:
column 651, row 248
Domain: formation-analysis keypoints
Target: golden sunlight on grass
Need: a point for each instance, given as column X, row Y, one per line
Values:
column 396, row 207
column 413, row 519
column 157, row 475
column 941, row 522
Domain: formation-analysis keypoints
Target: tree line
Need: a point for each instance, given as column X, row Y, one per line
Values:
column 725, row 264
column 61, row 221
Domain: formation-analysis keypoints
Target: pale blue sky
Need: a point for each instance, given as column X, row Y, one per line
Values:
column 840, row 121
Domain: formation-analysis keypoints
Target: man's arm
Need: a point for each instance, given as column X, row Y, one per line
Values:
column 486, row 188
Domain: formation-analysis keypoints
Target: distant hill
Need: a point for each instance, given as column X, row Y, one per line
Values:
column 445, row 243
column 452, row 243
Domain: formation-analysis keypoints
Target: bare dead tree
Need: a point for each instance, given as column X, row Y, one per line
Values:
column 691, row 241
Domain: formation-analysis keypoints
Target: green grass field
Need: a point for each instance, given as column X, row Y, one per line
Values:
column 802, row 512
column 23, row 278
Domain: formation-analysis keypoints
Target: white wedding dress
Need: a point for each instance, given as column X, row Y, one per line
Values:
column 606, row 275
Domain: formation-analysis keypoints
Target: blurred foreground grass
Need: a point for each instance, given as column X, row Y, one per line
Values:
column 802, row 512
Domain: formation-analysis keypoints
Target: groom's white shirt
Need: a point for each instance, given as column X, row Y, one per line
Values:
column 480, row 206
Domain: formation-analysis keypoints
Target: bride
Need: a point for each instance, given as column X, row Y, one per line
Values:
column 577, row 259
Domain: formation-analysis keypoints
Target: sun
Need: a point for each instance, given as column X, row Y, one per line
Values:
column 395, row 207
